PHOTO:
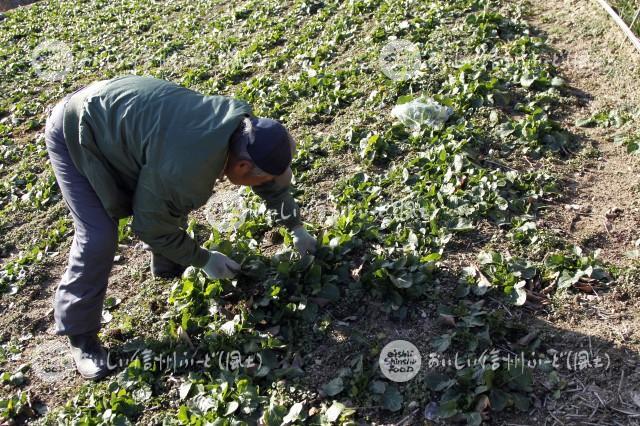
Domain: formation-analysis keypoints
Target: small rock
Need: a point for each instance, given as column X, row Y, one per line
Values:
column 431, row 411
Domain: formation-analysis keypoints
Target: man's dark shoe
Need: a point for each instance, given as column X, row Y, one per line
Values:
column 89, row 356
column 164, row 268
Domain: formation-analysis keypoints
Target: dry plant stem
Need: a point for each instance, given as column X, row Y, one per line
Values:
column 627, row 31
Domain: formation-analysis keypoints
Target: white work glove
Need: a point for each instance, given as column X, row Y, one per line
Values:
column 220, row 266
column 303, row 241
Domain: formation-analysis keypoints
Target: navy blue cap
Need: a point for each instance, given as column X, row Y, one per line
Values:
column 270, row 150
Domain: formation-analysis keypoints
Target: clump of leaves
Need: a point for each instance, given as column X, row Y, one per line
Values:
column 472, row 392
column 630, row 142
column 613, row 118
column 14, row 405
column 507, row 274
column 575, row 269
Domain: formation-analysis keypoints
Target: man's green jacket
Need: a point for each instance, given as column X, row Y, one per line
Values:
column 153, row 149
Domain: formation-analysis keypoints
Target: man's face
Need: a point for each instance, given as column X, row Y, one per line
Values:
column 239, row 173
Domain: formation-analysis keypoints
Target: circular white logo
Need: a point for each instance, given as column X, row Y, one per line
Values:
column 399, row 60
column 400, row 361
column 52, row 60
column 52, row 361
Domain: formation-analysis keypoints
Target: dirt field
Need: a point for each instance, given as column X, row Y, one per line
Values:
column 597, row 208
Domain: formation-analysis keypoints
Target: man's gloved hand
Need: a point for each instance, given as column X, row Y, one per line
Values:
column 220, row 266
column 304, row 242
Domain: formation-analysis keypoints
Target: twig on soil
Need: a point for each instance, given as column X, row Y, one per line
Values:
column 595, row 410
column 599, row 399
column 555, row 418
column 632, row 414
column 623, row 26
column 635, row 18
column 620, row 383
column 407, row 418
column 504, row 166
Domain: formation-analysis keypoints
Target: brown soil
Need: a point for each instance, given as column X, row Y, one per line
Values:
column 602, row 68
column 599, row 210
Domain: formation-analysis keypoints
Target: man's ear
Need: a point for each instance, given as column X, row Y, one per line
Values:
column 244, row 166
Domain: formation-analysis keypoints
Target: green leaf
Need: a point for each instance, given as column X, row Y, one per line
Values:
column 566, row 280
column 527, row 81
column 585, row 122
column 329, row 291
column 294, row 413
column 231, row 408
column 485, row 258
column 404, row 99
column 521, row 402
column 400, row 282
column 520, row 294
column 334, row 387
column 392, row 399
column 184, row 390
column 448, row 409
column 438, row 382
column 310, row 313
column 499, row 399
column 333, row 413
column 377, row 387
column 441, row 343
column 473, row 419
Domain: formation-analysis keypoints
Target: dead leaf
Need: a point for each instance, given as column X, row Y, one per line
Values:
column 274, row 331
column 320, row 301
column 448, row 320
column 185, row 337
column 297, row 361
column 524, row 341
column 585, row 288
column 355, row 273
column 483, row 406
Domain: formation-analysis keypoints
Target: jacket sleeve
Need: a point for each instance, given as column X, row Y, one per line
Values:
column 159, row 222
column 277, row 195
